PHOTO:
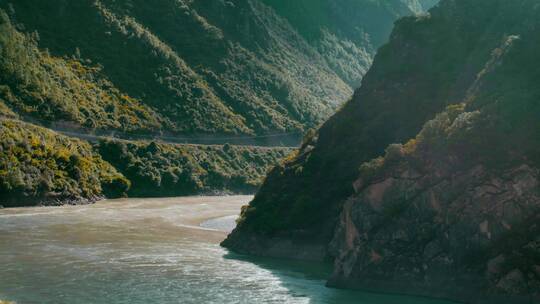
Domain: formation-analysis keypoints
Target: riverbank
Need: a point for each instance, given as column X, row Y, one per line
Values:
column 41, row 167
column 159, row 250
column 181, row 215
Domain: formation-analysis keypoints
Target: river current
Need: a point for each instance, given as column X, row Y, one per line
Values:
column 151, row 251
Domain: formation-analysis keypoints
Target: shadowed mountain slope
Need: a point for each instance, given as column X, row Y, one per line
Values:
column 451, row 213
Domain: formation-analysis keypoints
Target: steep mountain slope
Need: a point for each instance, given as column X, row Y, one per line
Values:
column 429, row 63
column 458, row 207
column 333, row 28
column 44, row 167
column 452, row 213
column 427, row 4
column 32, row 82
column 235, row 67
column 190, row 67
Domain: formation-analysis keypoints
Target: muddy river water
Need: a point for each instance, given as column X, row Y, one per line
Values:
column 150, row 251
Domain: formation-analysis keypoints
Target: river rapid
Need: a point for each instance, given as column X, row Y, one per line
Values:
column 151, row 251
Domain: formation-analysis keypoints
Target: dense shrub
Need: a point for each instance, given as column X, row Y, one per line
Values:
column 53, row 89
column 195, row 66
column 169, row 170
column 38, row 166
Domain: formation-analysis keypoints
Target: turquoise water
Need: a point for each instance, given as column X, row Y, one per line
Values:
column 149, row 251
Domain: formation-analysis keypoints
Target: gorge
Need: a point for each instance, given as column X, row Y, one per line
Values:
column 392, row 148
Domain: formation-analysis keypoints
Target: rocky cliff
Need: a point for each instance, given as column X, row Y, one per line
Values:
column 441, row 217
column 452, row 212
column 426, row 66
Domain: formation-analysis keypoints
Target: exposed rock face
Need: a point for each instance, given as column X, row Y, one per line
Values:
column 454, row 212
column 451, row 234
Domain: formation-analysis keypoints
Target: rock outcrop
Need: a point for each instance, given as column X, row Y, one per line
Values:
column 442, row 225
column 454, row 210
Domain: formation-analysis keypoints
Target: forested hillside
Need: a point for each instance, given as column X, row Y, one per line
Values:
column 192, row 68
column 161, row 170
column 41, row 167
column 235, row 67
column 54, row 89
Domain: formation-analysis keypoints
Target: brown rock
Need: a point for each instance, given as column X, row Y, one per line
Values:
column 513, row 282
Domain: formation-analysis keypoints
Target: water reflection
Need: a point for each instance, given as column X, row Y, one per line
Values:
column 307, row 279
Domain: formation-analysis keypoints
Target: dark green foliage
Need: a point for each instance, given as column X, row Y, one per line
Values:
column 192, row 67
column 235, row 67
column 341, row 17
column 34, row 83
column 173, row 170
column 5, row 111
column 38, row 166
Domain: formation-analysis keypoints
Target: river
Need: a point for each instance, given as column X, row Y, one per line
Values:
column 150, row 251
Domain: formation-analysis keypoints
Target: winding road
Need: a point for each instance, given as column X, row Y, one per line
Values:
column 276, row 140
column 282, row 140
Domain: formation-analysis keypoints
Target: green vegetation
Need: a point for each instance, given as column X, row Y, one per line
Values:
column 347, row 33
column 174, row 170
column 41, row 167
column 310, row 16
column 182, row 66
column 36, row 84
column 5, row 111
column 427, row 4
